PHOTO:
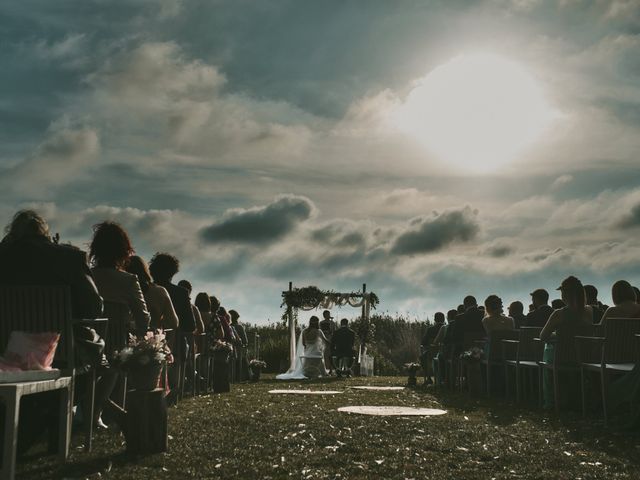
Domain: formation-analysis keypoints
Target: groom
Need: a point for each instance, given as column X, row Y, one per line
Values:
column 328, row 327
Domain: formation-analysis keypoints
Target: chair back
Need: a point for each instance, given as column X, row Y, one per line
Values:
column 494, row 343
column 118, row 326
column 621, row 345
column 38, row 309
column 470, row 339
column 528, row 349
column 566, row 351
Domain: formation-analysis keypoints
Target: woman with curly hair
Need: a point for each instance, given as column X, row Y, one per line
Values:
column 109, row 254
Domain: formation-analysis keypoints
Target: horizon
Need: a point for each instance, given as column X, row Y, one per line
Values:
column 428, row 149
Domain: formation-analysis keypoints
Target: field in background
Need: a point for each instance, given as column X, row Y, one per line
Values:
column 392, row 341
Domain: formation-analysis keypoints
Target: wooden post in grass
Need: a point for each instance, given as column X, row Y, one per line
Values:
column 146, row 422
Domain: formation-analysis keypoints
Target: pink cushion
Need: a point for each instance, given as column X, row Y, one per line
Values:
column 30, row 351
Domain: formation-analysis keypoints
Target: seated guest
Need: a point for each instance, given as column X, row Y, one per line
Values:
column 558, row 304
column 427, row 351
column 196, row 313
column 444, row 338
column 211, row 323
column 163, row 267
column 541, row 310
column 624, row 301
column 468, row 322
column 516, row 311
column 637, row 290
column 243, row 362
column 591, row 294
column 163, row 315
column 494, row 319
column 576, row 318
column 29, row 257
column 342, row 350
column 109, row 253
column 442, row 333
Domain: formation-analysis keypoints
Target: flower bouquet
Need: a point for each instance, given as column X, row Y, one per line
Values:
column 143, row 359
column 256, row 367
column 412, row 369
column 221, row 350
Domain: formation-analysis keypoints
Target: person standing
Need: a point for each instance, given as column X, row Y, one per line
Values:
column 342, row 348
column 427, row 351
column 328, row 327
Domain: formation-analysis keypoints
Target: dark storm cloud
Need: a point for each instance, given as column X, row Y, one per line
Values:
column 430, row 234
column 631, row 219
column 343, row 234
column 261, row 225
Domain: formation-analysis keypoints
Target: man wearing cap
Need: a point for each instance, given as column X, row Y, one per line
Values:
column 328, row 327
column 541, row 310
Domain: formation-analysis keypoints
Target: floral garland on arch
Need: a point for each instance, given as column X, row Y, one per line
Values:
column 309, row 298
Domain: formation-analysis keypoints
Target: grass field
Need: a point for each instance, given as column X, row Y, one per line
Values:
column 251, row 434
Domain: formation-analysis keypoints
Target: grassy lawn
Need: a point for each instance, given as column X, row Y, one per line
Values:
column 252, row 434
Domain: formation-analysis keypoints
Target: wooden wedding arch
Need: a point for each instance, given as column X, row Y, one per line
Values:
column 310, row 298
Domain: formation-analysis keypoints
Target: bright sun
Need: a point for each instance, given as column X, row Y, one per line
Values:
column 476, row 112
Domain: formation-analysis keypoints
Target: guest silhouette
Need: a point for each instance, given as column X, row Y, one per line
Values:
column 541, row 310
column 624, row 302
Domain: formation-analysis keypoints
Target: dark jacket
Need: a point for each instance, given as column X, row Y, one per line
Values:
column 539, row 317
column 431, row 334
column 37, row 261
column 342, row 342
column 182, row 305
column 468, row 322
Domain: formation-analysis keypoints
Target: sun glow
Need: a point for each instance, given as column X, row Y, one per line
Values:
column 476, row 112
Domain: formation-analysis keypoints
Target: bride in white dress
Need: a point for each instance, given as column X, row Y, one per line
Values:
column 309, row 361
column 314, row 343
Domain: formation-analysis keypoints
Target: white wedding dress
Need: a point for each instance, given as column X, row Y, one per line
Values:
column 309, row 360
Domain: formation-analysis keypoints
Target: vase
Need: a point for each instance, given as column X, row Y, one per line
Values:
column 145, row 378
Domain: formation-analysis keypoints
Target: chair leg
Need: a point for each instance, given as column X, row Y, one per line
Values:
column 583, row 394
column 517, row 383
column 64, row 425
column 507, row 386
column 12, row 414
column 556, row 391
column 603, row 378
column 90, row 413
column 540, row 385
column 488, row 379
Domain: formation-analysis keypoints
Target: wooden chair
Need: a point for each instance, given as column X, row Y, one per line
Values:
column 117, row 336
column 521, row 355
column 617, row 355
column 456, row 367
column 565, row 360
column 495, row 352
column 37, row 309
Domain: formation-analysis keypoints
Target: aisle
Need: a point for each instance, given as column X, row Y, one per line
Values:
column 251, row 433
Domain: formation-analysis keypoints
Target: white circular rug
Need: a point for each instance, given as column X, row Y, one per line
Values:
column 379, row 388
column 392, row 411
column 306, row 392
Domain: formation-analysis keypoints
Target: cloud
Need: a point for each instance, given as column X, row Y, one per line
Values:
column 261, row 225
column 61, row 157
column 631, row 219
column 429, row 234
column 561, row 181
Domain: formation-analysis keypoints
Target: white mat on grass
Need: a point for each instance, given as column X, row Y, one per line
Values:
column 306, row 392
column 392, row 411
column 378, row 388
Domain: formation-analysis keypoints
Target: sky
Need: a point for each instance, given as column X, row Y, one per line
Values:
column 267, row 142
